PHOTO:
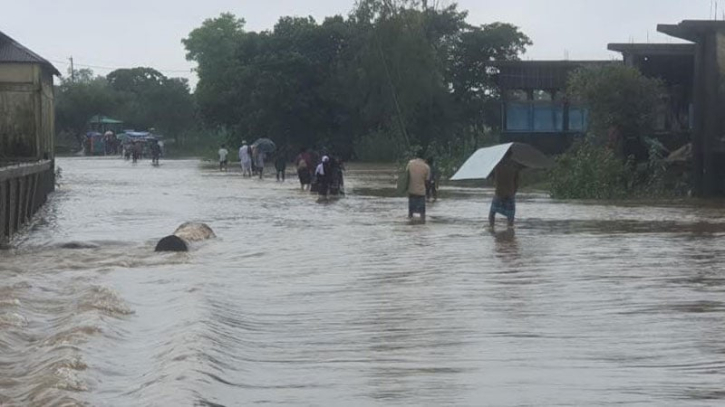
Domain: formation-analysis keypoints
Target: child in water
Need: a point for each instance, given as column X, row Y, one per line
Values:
column 223, row 161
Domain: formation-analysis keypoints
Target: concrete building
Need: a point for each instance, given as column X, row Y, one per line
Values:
column 535, row 107
column 536, row 110
column 708, row 96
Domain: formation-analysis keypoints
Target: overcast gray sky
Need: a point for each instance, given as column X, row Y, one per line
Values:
column 113, row 34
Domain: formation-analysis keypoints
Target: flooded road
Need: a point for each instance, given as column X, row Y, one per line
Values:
column 346, row 304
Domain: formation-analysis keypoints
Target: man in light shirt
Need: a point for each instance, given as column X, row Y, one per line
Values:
column 223, row 161
column 418, row 172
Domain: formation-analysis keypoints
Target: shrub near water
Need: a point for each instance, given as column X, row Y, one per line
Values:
column 588, row 171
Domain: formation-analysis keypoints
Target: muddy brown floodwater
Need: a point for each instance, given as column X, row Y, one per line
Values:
column 346, row 304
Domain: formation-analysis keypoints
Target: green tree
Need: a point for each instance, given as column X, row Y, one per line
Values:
column 77, row 100
column 402, row 71
column 151, row 100
column 142, row 97
column 622, row 102
column 470, row 73
column 213, row 46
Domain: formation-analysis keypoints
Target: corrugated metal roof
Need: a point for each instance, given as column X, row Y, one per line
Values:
column 13, row 51
column 539, row 74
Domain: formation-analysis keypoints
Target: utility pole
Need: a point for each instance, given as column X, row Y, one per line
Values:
column 72, row 70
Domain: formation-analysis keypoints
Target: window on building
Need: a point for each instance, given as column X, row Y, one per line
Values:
column 517, row 116
column 578, row 119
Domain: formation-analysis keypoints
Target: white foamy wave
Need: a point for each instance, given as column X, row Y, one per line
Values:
column 13, row 319
column 10, row 302
column 106, row 300
column 68, row 380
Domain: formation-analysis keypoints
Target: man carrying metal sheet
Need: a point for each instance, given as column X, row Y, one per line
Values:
column 506, row 180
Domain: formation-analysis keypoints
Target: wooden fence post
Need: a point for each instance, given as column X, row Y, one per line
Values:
column 13, row 206
column 4, row 215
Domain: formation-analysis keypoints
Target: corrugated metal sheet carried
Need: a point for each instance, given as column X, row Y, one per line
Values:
column 13, row 51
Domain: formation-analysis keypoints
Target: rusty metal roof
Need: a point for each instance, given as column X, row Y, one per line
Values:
column 13, row 51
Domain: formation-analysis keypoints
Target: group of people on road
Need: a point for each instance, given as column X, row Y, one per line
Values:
column 325, row 177
column 137, row 149
column 322, row 174
column 250, row 158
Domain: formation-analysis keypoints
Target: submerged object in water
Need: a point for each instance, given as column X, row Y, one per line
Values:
column 183, row 236
column 79, row 245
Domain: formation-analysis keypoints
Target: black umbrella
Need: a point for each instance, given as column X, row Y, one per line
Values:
column 264, row 145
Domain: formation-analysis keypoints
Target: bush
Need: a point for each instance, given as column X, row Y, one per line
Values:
column 588, row 171
column 622, row 102
column 591, row 171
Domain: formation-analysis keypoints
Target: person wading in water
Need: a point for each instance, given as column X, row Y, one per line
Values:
column 223, row 161
column 506, row 180
column 418, row 173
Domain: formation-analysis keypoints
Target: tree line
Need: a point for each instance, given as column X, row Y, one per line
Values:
column 391, row 76
column 142, row 97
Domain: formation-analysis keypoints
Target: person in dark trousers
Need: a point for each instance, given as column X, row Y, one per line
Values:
column 337, row 181
column 155, row 152
column 280, row 164
column 304, row 167
column 417, row 173
column 223, row 160
column 137, row 151
column 431, row 184
column 506, row 180
column 323, row 176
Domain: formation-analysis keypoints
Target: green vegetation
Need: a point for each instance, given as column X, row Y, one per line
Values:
column 588, row 171
column 622, row 103
column 391, row 75
column 368, row 86
column 591, row 171
column 619, row 158
column 142, row 97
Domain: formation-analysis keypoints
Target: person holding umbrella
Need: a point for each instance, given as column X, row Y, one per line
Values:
column 260, row 148
column 259, row 161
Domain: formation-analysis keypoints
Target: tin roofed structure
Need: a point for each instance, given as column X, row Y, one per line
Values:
column 27, row 130
column 27, row 116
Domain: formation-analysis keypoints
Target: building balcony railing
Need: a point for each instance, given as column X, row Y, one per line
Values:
column 544, row 117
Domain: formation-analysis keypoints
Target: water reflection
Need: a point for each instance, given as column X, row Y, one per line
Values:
column 506, row 246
